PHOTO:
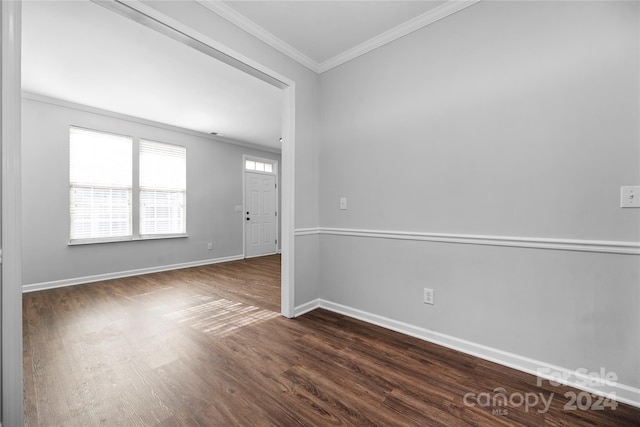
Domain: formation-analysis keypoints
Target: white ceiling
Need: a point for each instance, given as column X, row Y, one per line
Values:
column 80, row 52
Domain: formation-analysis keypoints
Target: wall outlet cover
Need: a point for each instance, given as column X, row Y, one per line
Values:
column 428, row 296
column 630, row 196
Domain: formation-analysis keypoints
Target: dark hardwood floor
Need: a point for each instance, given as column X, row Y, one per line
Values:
column 206, row 346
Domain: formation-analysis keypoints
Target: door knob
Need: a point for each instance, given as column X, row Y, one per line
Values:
column 248, row 218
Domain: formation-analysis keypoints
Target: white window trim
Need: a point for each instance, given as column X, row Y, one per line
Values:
column 98, row 241
column 246, row 158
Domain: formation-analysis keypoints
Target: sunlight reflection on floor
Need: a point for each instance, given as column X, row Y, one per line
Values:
column 220, row 317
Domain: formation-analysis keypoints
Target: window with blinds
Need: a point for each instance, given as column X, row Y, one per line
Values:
column 163, row 188
column 100, row 185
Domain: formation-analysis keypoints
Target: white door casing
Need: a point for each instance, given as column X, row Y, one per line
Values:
column 260, row 214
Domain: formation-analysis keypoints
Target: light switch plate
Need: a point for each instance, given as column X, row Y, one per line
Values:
column 630, row 196
column 343, row 203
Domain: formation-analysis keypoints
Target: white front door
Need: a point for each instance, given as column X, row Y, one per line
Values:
column 260, row 214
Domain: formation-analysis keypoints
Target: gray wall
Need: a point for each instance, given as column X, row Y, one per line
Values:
column 214, row 188
column 505, row 119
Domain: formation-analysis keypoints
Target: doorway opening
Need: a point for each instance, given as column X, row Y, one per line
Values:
column 147, row 16
column 12, row 390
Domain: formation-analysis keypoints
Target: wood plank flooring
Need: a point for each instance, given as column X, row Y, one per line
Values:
column 205, row 346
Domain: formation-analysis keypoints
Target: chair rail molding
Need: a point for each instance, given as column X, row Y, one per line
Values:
column 599, row 246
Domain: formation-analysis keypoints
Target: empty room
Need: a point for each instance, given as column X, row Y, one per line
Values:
column 320, row 213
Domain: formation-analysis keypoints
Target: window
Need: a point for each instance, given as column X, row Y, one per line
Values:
column 102, row 188
column 251, row 165
column 163, row 188
column 100, row 185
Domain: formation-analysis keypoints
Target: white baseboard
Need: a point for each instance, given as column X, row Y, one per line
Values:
column 117, row 275
column 577, row 379
column 306, row 307
column 261, row 255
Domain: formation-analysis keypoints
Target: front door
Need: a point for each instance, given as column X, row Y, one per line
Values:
column 260, row 214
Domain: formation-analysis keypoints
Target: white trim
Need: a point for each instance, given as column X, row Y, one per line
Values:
column 240, row 21
column 308, row 306
column 99, row 240
column 429, row 17
column 287, row 208
column 599, row 246
column 120, row 274
column 306, row 231
column 93, row 110
column 11, row 218
column 261, row 255
column 619, row 392
column 274, row 164
column 448, row 8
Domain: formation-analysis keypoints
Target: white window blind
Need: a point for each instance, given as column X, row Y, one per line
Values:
column 100, row 185
column 163, row 188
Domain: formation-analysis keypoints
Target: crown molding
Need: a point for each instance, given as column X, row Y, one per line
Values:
column 107, row 113
column 448, row 8
column 429, row 17
column 256, row 30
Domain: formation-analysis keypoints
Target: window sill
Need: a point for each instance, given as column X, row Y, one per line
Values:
column 126, row 239
column 162, row 236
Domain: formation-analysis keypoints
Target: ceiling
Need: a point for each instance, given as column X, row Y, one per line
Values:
column 80, row 52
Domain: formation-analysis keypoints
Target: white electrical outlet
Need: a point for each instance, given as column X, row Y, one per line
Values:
column 210, row 246
column 630, row 196
column 428, row 296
